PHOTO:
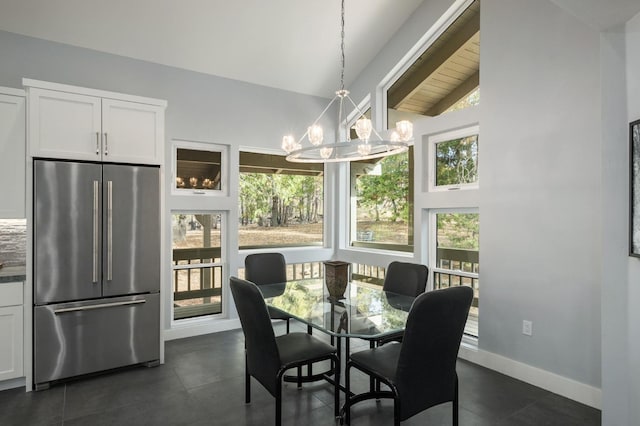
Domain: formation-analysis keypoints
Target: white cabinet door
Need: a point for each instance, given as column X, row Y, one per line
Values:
column 11, row 353
column 132, row 132
column 64, row 125
column 12, row 157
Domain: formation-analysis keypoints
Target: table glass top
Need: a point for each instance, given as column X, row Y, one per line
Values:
column 366, row 311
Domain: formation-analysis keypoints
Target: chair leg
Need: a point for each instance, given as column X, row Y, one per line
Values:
column 347, row 392
column 372, row 381
column 299, row 377
column 279, row 402
column 396, row 411
column 287, row 325
column 247, row 381
column 455, row 403
column 336, row 389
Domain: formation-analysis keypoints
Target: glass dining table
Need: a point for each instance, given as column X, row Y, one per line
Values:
column 365, row 312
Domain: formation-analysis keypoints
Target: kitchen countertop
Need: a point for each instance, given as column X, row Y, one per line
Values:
column 12, row 274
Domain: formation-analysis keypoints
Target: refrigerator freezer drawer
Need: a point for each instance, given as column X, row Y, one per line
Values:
column 85, row 337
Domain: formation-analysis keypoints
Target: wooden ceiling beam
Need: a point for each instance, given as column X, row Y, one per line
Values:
column 455, row 95
column 400, row 92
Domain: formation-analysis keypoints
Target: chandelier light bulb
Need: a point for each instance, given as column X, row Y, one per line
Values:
column 395, row 137
column 315, row 134
column 364, row 149
column 363, row 128
column 369, row 143
column 405, row 130
column 288, row 143
column 326, row 152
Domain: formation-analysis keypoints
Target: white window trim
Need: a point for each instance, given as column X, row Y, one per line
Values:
column 433, row 140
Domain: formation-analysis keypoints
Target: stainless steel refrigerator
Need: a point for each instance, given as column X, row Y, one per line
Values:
column 96, row 254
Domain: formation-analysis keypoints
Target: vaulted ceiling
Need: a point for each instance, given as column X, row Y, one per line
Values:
column 287, row 44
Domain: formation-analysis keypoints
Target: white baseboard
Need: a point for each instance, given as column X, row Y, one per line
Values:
column 196, row 328
column 12, row 383
column 569, row 388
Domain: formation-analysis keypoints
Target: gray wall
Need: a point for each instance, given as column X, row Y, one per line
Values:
column 615, row 357
column 201, row 107
column 633, row 283
column 540, row 180
column 540, row 186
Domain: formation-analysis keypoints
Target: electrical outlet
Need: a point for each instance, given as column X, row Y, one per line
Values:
column 527, row 327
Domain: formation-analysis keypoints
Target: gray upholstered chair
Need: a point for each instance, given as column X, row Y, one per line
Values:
column 409, row 279
column 421, row 371
column 267, row 268
column 267, row 356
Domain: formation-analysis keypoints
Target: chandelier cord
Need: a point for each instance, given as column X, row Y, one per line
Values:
column 342, row 47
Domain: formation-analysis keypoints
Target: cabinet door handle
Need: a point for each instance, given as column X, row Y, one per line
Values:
column 97, row 143
column 106, row 144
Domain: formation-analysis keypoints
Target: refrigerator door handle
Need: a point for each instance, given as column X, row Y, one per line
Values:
column 96, row 234
column 100, row 306
column 109, row 230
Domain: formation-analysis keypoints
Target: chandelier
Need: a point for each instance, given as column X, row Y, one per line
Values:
column 369, row 143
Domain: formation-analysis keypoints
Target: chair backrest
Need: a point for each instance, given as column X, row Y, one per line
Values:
column 426, row 372
column 263, row 358
column 405, row 278
column 265, row 268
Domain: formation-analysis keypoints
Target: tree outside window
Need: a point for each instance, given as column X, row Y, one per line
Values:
column 280, row 203
column 382, row 198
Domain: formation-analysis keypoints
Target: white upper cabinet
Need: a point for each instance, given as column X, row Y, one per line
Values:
column 85, row 124
column 132, row 132
column 64, row 125
column 12, row 153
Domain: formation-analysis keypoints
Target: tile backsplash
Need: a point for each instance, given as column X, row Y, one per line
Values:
column 13, row 241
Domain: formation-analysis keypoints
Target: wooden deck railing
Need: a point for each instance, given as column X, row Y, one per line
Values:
column 454, row 267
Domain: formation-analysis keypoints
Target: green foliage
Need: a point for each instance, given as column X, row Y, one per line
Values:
column 281, row 196
column 471, row 99
column 388, row 191
column 457, row 161
column 459, row 230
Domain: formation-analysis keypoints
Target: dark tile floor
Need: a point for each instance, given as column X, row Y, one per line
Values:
column 202, row 383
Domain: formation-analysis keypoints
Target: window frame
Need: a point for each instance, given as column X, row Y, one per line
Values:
column 435, row 139
column 326, row 219
column 353, row 243
column 432, row 258
column 200, row 146
column 221, row 264
column 432, row 35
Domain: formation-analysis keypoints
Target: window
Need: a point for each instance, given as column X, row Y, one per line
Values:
column 281, row 203
column 453, row 160
column 199, row 168
column 445, row 77
column 197, row 264
column 455, row 257
column 382, row 202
